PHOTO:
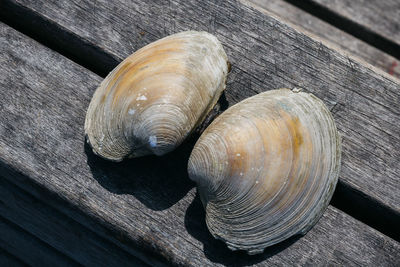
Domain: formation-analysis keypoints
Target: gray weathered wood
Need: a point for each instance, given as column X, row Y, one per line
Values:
column 149, row 202
column 380, row 17
column 265, row 54
column 327, row 32
column 62, row 233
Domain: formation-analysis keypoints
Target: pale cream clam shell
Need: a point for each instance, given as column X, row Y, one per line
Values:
column 266, row 168
column 156, row 97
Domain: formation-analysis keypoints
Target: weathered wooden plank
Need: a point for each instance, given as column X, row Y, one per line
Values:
column 153, row 209
column 327, row 32
column 28, row 248
column 379, row 17
column 59, row 231
column 265, row 54
column 351, row 26
column 25, row 71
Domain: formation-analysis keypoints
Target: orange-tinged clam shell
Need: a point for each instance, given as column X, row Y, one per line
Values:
column 156, row 97
column 266, row 168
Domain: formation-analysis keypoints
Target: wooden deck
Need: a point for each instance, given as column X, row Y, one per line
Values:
column 61, row 205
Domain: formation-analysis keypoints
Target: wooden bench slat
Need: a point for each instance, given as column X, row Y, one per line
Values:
column 145, row 210
column 27, row 248
column 324, row 30
column 265, row 54
column 380, row 17
column 52, row 227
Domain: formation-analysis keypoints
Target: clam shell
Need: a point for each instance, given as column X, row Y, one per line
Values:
column 266, row 168
column 156, row 97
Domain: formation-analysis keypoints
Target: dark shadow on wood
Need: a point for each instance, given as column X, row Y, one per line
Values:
column 29, row 246
column 220, row 107
column 8, row 259
column 216, row 250
column 157, row 182
column 58, row 39
column 365, row 209
column 99, row 61
column 349, row 26
column 88, row 224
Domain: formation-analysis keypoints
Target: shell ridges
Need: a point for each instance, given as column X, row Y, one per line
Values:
column 156, row 97
column 284, row 176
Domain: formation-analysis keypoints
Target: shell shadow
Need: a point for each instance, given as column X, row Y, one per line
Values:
column 157, row 182
column 216, row 250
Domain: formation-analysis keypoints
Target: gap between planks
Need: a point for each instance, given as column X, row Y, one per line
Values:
column 68, row 241
column 57, row 38
column 51, row 72
column 329, row 34
column 8, row 259
column 348, row 25
column 29, row 249
column 62, row 216
column 96, row 59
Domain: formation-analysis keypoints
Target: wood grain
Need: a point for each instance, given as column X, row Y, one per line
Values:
column 147, row 207
column 67, row 238
column 27, row 248
column 328, row 33
column 265, row 54
column 380, row 17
